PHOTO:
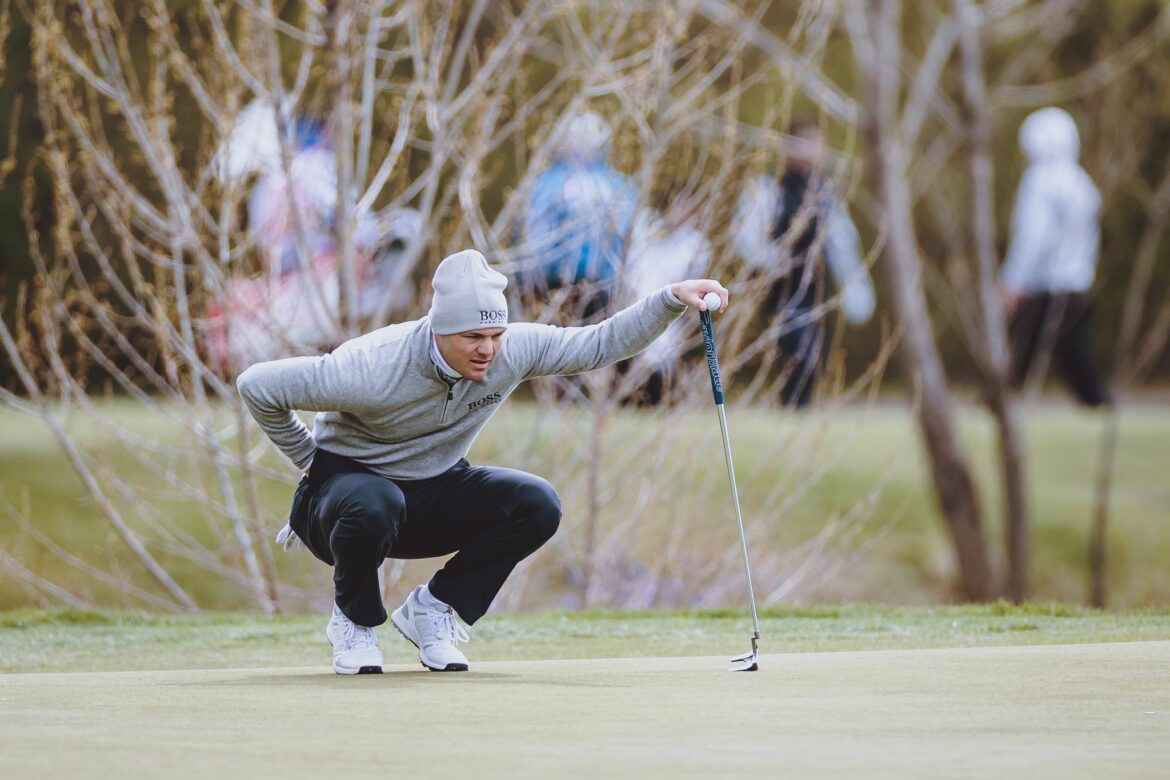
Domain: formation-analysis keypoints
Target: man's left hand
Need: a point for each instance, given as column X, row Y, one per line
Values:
column 691, row 292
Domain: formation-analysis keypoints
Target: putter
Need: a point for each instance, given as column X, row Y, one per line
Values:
column 749, row 661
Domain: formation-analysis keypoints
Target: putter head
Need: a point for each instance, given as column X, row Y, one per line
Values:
column 748, row 662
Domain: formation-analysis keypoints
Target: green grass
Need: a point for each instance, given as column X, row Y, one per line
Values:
column 112, row 641
column 664, row 483
column 952, row 693
column 1069, row 711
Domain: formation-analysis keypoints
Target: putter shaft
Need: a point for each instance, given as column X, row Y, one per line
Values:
column 747, row 567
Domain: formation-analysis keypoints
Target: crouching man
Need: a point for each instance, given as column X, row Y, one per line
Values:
column 386, row 473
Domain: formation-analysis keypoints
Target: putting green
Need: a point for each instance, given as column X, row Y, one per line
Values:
column 1070, row 710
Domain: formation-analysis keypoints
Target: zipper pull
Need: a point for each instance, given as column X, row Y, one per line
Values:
column 449, row 396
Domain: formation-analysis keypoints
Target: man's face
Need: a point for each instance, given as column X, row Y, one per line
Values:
column 808, row 149
column 471, row 352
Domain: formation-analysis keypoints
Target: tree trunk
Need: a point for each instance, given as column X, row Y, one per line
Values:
column 1017, row 535
column 342, row 23
column 1098, row 590
column 992, row 341
column 597, row 383
column 953, row 487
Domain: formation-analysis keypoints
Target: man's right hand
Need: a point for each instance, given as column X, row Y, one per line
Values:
column 691, row 292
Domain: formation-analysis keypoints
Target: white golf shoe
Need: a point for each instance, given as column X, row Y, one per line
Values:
column 355, row 648
column 434, row 631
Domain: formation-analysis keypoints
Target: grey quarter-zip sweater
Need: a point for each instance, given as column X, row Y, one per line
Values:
column 383, row 402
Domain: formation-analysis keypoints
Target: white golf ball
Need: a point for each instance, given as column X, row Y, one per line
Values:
column 712, row 301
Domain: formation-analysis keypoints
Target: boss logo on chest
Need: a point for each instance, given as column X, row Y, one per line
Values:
column 487, row 400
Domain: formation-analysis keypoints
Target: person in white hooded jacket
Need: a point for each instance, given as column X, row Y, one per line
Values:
column 1053, row 256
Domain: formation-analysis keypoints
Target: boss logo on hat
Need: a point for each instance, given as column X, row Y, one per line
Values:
column 489, row 316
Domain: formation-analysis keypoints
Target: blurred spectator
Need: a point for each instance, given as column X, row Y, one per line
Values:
column 783, row 228
column 577, row 219
column 663, row 247
column 293, row 305
column 1053, row 255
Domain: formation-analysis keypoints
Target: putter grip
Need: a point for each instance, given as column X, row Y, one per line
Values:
column 712, row 358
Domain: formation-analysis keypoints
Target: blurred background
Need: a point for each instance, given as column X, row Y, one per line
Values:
column 942, row 224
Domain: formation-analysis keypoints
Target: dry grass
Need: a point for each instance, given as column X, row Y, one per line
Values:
column 836, row 505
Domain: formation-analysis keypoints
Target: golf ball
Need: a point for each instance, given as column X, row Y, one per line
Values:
column 712, row 301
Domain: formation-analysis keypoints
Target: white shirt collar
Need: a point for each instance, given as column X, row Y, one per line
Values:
column 441, row 364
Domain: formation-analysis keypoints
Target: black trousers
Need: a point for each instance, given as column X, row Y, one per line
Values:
column 1057, row 325
column 801, row 344
column 353, row 519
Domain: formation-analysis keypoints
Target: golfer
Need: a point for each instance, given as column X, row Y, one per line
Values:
column 385, row 469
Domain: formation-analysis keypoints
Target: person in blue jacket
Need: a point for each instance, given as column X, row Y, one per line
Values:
column 578, row 218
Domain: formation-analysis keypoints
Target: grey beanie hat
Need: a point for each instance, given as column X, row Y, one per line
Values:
column 469, row 295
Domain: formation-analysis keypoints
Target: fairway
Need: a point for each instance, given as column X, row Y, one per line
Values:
column 1066, row 710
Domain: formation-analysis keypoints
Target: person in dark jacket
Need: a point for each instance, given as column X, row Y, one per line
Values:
column 806, row 222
